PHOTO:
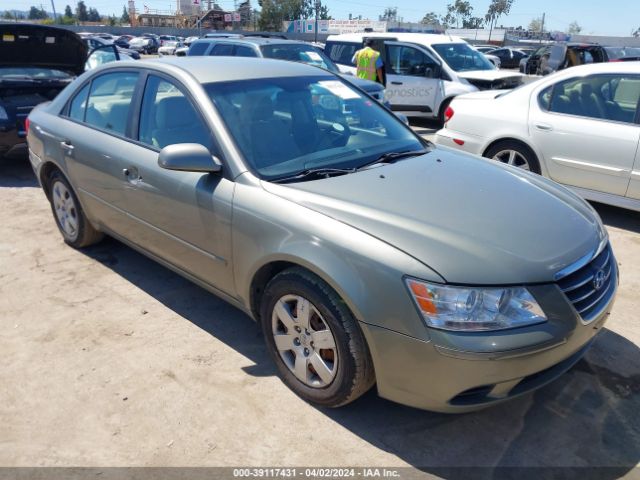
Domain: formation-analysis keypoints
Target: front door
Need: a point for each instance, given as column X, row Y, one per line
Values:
column 586, row 131
column 413, row 80
column 183, row 217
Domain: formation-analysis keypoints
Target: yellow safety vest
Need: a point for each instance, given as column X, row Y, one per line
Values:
column 366, row 63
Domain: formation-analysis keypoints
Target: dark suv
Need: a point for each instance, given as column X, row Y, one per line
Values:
column 551, row 58
column 280, row 49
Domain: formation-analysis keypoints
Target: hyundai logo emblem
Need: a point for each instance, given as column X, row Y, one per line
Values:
column 599, row 279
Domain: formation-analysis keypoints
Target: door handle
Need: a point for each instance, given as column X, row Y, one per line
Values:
column 396, row 83
column 544, row 127
column 66, row 144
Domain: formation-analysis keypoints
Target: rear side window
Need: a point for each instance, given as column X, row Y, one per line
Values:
column 79, row 104
column 168, row 117
column 222, row 50
column 110, row 101
column 198, row 48
column 245, row 51
column 341, row 52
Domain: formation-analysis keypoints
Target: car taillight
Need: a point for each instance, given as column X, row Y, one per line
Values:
column 448, row 113
column 27, row 122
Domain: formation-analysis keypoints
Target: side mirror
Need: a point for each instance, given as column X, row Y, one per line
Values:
column 433, row 71
column 188, row 157
column 101, row 55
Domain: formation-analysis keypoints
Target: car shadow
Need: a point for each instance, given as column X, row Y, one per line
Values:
column 586, row 422
column 16, row 171
column 618, row 217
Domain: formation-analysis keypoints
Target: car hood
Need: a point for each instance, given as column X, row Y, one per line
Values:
column 366, row 85
column 472, row 220
column 24, row 45
column 488, row 75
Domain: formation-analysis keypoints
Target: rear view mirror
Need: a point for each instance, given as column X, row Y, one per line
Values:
column 188, row 157
column 101, row 55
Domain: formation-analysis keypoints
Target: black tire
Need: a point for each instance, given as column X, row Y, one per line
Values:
column 443, row 108
column 354, row 373
column 84, row 234
column 512, row 145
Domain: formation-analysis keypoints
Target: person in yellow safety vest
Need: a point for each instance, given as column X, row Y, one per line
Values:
column 368, row 63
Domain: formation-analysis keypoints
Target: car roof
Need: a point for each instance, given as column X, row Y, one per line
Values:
column 252, row 40
column 225, row 69
column 420, row 38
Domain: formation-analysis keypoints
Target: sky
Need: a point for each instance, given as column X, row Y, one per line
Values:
column 619, row 17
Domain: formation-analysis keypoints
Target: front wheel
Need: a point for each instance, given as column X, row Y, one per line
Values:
column 315, row 341
column 516, row 154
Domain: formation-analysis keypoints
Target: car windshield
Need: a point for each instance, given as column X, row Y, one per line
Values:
column 299, row 53
column 462, row 58
column 284, row 126
column 32, row 73
column 139, row 41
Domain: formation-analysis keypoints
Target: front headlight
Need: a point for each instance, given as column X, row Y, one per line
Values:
column 474, row 309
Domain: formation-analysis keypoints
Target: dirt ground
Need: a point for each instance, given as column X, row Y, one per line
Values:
column 109, row 359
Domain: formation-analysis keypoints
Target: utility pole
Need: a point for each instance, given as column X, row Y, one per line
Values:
column 233, row 16
column 542, row 27
column 316, row 29
column 55, row 17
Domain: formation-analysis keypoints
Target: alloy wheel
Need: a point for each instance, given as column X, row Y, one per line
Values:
column 304, row 341
column 65, row 208
column 513, row 157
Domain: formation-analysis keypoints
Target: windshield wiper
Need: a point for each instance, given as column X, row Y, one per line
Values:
column 391, row 157
column 314, row 172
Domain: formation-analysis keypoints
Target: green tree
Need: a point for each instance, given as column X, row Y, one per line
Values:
column 37, row 13
column 81, row 12
column 124, row 18
column 390, row 15
column 68, row 13
column 275, row 12
column 535, row 25
column 574, row 28
column 473, row 22
column 497, row 8
column 458, row 11
column 430, row 18
column 93, row 15
column 7, row 15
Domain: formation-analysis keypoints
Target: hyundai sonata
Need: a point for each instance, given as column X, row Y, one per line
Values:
column 366, row 254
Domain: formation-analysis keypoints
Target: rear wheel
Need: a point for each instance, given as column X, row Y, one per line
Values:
column 76, row 230
column 316, row 343
column 516, row 154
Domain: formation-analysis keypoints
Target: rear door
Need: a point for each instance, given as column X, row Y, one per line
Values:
column 556, row 58
column 413, row 79
column 92, row 141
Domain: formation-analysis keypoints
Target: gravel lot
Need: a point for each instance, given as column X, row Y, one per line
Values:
column 109, row 359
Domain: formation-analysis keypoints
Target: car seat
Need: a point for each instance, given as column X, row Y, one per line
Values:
column 177, row 122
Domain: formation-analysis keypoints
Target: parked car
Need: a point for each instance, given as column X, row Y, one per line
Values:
column 96, row 42
column 551, row 58
column 484, row 48
column 579, row 127
column 146, row 45
column 509, row 57
column 276, row 48
column 167, row 38
column 123, row 41
column 36, row 63
column 623, row 54
column 169, row 48
column 366, row 255
column 423, row 71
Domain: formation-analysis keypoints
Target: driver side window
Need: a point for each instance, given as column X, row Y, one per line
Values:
column 410, row 61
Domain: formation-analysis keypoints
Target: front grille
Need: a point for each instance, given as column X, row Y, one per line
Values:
column 591, row 287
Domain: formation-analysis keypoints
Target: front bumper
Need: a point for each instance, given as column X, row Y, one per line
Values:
column 457, row 372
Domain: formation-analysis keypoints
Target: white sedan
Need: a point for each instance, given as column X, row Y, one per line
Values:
column 169, row 47
column 579, row 127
